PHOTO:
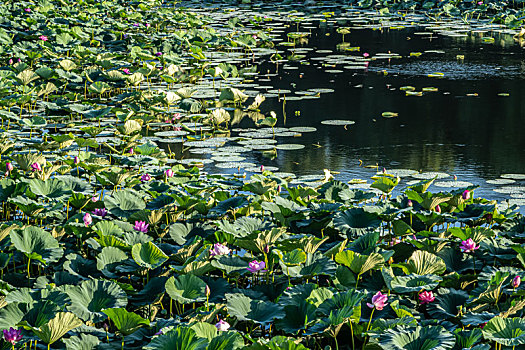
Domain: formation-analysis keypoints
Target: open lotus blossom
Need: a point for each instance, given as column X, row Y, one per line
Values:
column 366, row 54
column 12, row 335
column 145, row 177
column 147, row 25
column 100, row 212
column 222, row 326
column 378, row 301
column 127, row 71
column 141, row 226
column 426, row 297
column 9, row 166
column 468, row 246
column 88, row 220
column 27, row 9
column 256, row 266
column 219, row 249
column 516, row 281
column 465, row 195
column 43, row 37
column 169, row 173
column 94, row 199
column 36, row 167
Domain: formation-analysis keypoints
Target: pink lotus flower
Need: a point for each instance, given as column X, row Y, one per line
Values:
column 131, row 151
column 468, row 246
column 465, row 195
column 88, row 220
column 76, row 160
column 426, row 297
column 256, row 266
column 177, row 116
column 147, row 25
column 9, row 166
column 378, row 301
column 141, row 226
column 94, row 199
column 127, row 71
column 366, row 54
column 158, row 54
column 43, row 37
column 12, row 335
column 437, row 209
column 135, row 24
column 516, row 282
column 219, row 249
column 11, row 61
column 36, row 167
column 177, row 128
column 100, row 212
column 222, row 326
column 207, row 291
column 409, row 203
column 27, row 10
column 169, row 173
column 262, row 168
column 480, row 2
column 145, row 177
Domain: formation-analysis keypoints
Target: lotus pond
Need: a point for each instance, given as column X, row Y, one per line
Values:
column 166, row 186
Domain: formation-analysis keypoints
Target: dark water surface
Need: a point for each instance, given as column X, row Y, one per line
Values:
column 465, row 128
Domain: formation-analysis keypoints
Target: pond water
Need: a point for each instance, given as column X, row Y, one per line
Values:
column 469, row 126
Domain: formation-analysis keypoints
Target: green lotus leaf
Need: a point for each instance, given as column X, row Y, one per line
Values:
column 125, row 321
column 358, row 263
column 505, row 331
column 92, row 296
column 447, row 303
column 180, row 338
column 107, row 228
column 298, row 317
column 292, row 258
column 205, row 330
column 247, row 309
column 423, row 263
column 232, row 95
column 124, row 203
column 82, row 342
column 230, row 264
column 109, row 258
column 37, row 244
column 356, row 222
column 414, row 283
column 226, row 341
column 186, row 288
column 148, row 255
column 386, row 184
column 419, row 338
column 57, row 327
column 51, row 188
column 351, row 299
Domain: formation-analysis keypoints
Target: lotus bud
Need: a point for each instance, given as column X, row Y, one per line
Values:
column 516, row 282
column 266, row 249
column 466, row 195
column 455, row 178
column 36, row 167
column 105, row 326
column 279, row 189
column 384, row 170
column 11, row 61
column 147, row 25
column 88, row 220
column 438, row 209
column 158, row 54
column 9, row 166
column 169, row 173
column 366, row 54
column 19, row 60
column 131, row 151
column 76, row 160
column 262, row 168
column 409, row 203
column 94, row 199
column 207, row 291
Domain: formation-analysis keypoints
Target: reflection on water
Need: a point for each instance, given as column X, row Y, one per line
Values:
column 470, row 127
